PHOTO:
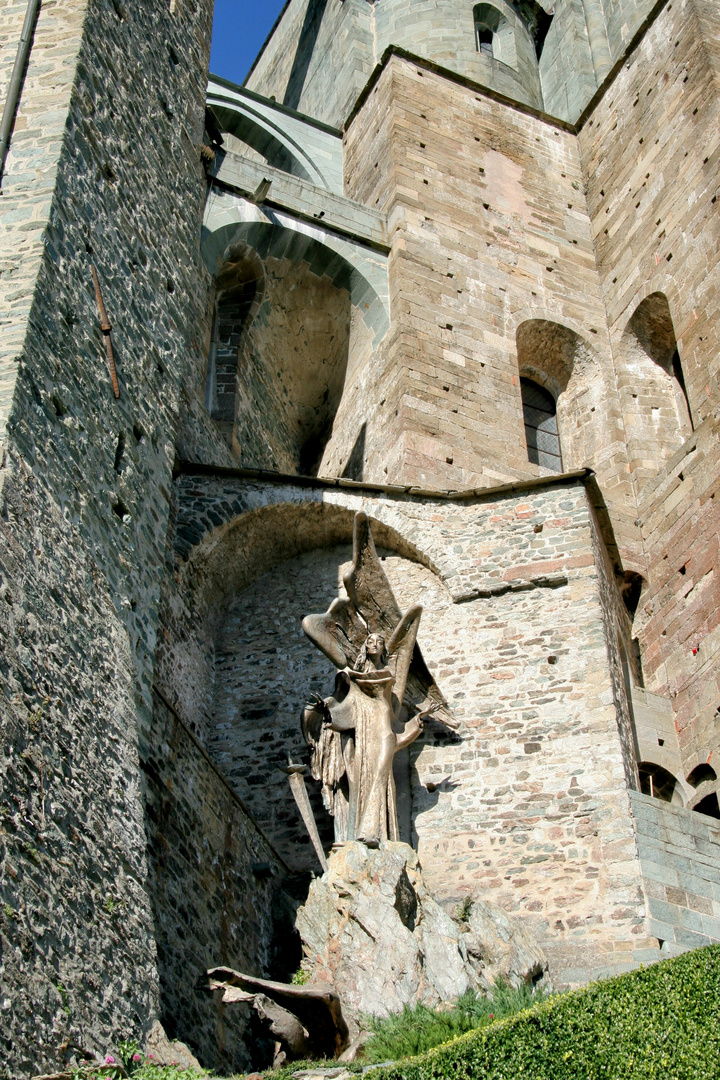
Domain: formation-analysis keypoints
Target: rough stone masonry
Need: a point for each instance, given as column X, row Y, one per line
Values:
column 464, row 201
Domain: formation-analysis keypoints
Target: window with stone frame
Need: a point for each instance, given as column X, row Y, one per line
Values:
column 494, row 34
column 541, row 430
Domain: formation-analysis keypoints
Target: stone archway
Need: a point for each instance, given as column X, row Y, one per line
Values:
column 235, row 661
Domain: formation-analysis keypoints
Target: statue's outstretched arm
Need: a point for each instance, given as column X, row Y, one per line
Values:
column 413, row 728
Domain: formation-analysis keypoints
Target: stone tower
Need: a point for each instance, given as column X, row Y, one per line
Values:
column 452, row 264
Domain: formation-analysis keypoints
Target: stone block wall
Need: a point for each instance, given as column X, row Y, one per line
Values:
column 313, row 43
column 651, row 152
column 679, row 619
column 680, row 860
column 32, row 164
column 567, row 88
column 213, row 881
column 489, row 234
column 622, row 18
column 444, row 32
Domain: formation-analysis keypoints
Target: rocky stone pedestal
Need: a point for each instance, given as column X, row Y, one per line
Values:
column 373, row 932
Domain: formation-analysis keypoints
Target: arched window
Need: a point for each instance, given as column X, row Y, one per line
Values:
column 233, row 307
column 653, row 388
column 541, row 431
column 494, row 35
column 656, row 781
column 709, row 805
column 700, row 774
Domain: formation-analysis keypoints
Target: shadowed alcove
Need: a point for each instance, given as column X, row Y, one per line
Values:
column 652, row 384
column 240, row 668
column 277, row 361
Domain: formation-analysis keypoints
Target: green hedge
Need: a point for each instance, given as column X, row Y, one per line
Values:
column 657, row 1023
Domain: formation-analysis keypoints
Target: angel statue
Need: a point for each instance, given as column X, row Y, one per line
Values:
column 354, row 734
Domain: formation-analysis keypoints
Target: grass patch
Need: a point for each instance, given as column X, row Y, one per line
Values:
column 657, row 1023
column 417, row 1029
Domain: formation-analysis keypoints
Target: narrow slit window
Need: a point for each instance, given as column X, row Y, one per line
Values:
column 541, row 431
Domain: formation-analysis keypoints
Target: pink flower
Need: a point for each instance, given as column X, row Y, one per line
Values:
column 109, row 1059
column 137, row 1057
column 492, row 1016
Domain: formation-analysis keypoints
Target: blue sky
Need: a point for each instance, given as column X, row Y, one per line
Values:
column 239, row 30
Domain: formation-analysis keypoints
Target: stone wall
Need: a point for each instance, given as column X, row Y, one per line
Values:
column 518, row 247
column 78, row 952
column 679, row 619
column 490, row 236
column 445, row 33
column 567, row 88
column 650, row 152
column 680, row 860
column 529, row 807
column 32, row 164
column 84, row 511
column 650, row 155
column 313, row 43
column 213, row 883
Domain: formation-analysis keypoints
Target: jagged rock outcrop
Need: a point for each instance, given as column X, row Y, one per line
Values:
column 162, row 1051
column 372, row 931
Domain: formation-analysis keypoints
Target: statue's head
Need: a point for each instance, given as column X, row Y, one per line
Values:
column 374, row 650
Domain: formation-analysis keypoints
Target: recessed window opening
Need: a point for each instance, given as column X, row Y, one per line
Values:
column 494, row 34
column 701, row 773
column 236, row 289
column 656, row 782
column 631, row 590
column 484, row 40
column 541, row 430
column 663, row 418
column 709, row 805
column 232, row 310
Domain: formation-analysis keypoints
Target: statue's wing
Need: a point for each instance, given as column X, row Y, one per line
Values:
column 370, row 607
column 366, row 585
column 413, row 681
column 400, row 648
column 339, row 632
column 424, row 693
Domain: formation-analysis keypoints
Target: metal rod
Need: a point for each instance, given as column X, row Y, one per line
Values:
column 13, row 93
column 297, row 786
column 106, row 328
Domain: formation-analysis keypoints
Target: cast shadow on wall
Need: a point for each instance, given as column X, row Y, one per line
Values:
column 652, row 386
column 277, row 360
